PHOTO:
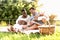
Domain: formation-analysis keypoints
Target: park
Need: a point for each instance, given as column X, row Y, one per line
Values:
column 10, row 10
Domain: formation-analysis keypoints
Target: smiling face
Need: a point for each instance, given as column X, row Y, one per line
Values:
column 43, row 20
column 32, row 10
column 24, row 13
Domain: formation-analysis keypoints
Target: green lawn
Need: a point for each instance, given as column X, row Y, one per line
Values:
column 36, row 36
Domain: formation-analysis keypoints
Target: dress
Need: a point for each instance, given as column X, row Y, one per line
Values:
column 18, row 26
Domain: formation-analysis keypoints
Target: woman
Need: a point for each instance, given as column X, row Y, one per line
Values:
column 20, row 22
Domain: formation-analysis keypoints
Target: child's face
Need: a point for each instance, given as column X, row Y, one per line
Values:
column 43, row 20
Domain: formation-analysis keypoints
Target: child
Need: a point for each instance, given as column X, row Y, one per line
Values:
column 18, row 27
column 43, row 20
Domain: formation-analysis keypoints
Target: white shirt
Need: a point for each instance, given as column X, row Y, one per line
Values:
column 25, row 19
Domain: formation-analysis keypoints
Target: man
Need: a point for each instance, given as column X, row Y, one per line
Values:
column 36, row 19
column 34, row 13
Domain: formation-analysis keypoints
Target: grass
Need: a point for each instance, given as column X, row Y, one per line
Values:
column 20, row 36
column 36, row 36
column 58, row 22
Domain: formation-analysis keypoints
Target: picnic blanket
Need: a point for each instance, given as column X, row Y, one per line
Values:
column 4, row 29
column 30, row 31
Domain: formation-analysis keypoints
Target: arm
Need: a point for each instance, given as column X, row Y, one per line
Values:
column 18, row 19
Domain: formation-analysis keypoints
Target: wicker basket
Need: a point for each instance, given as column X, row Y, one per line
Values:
column 46, row 29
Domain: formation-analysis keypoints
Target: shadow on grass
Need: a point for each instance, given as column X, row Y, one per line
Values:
column 36, row 35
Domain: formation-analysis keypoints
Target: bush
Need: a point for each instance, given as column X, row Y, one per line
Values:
column 11, row 10
column 51, row 19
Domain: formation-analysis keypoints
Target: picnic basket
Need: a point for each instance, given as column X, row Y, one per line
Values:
column 46, row 29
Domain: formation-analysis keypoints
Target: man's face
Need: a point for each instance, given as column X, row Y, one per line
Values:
column 32, row 11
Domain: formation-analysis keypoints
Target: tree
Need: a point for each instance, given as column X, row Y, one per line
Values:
column 10, row 10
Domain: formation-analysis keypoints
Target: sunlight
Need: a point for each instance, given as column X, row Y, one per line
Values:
column 28, row 0
column 50, row 7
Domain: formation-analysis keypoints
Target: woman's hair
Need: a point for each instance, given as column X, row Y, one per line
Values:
column 24, row 10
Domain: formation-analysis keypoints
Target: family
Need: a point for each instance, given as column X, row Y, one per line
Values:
column 26, row 22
